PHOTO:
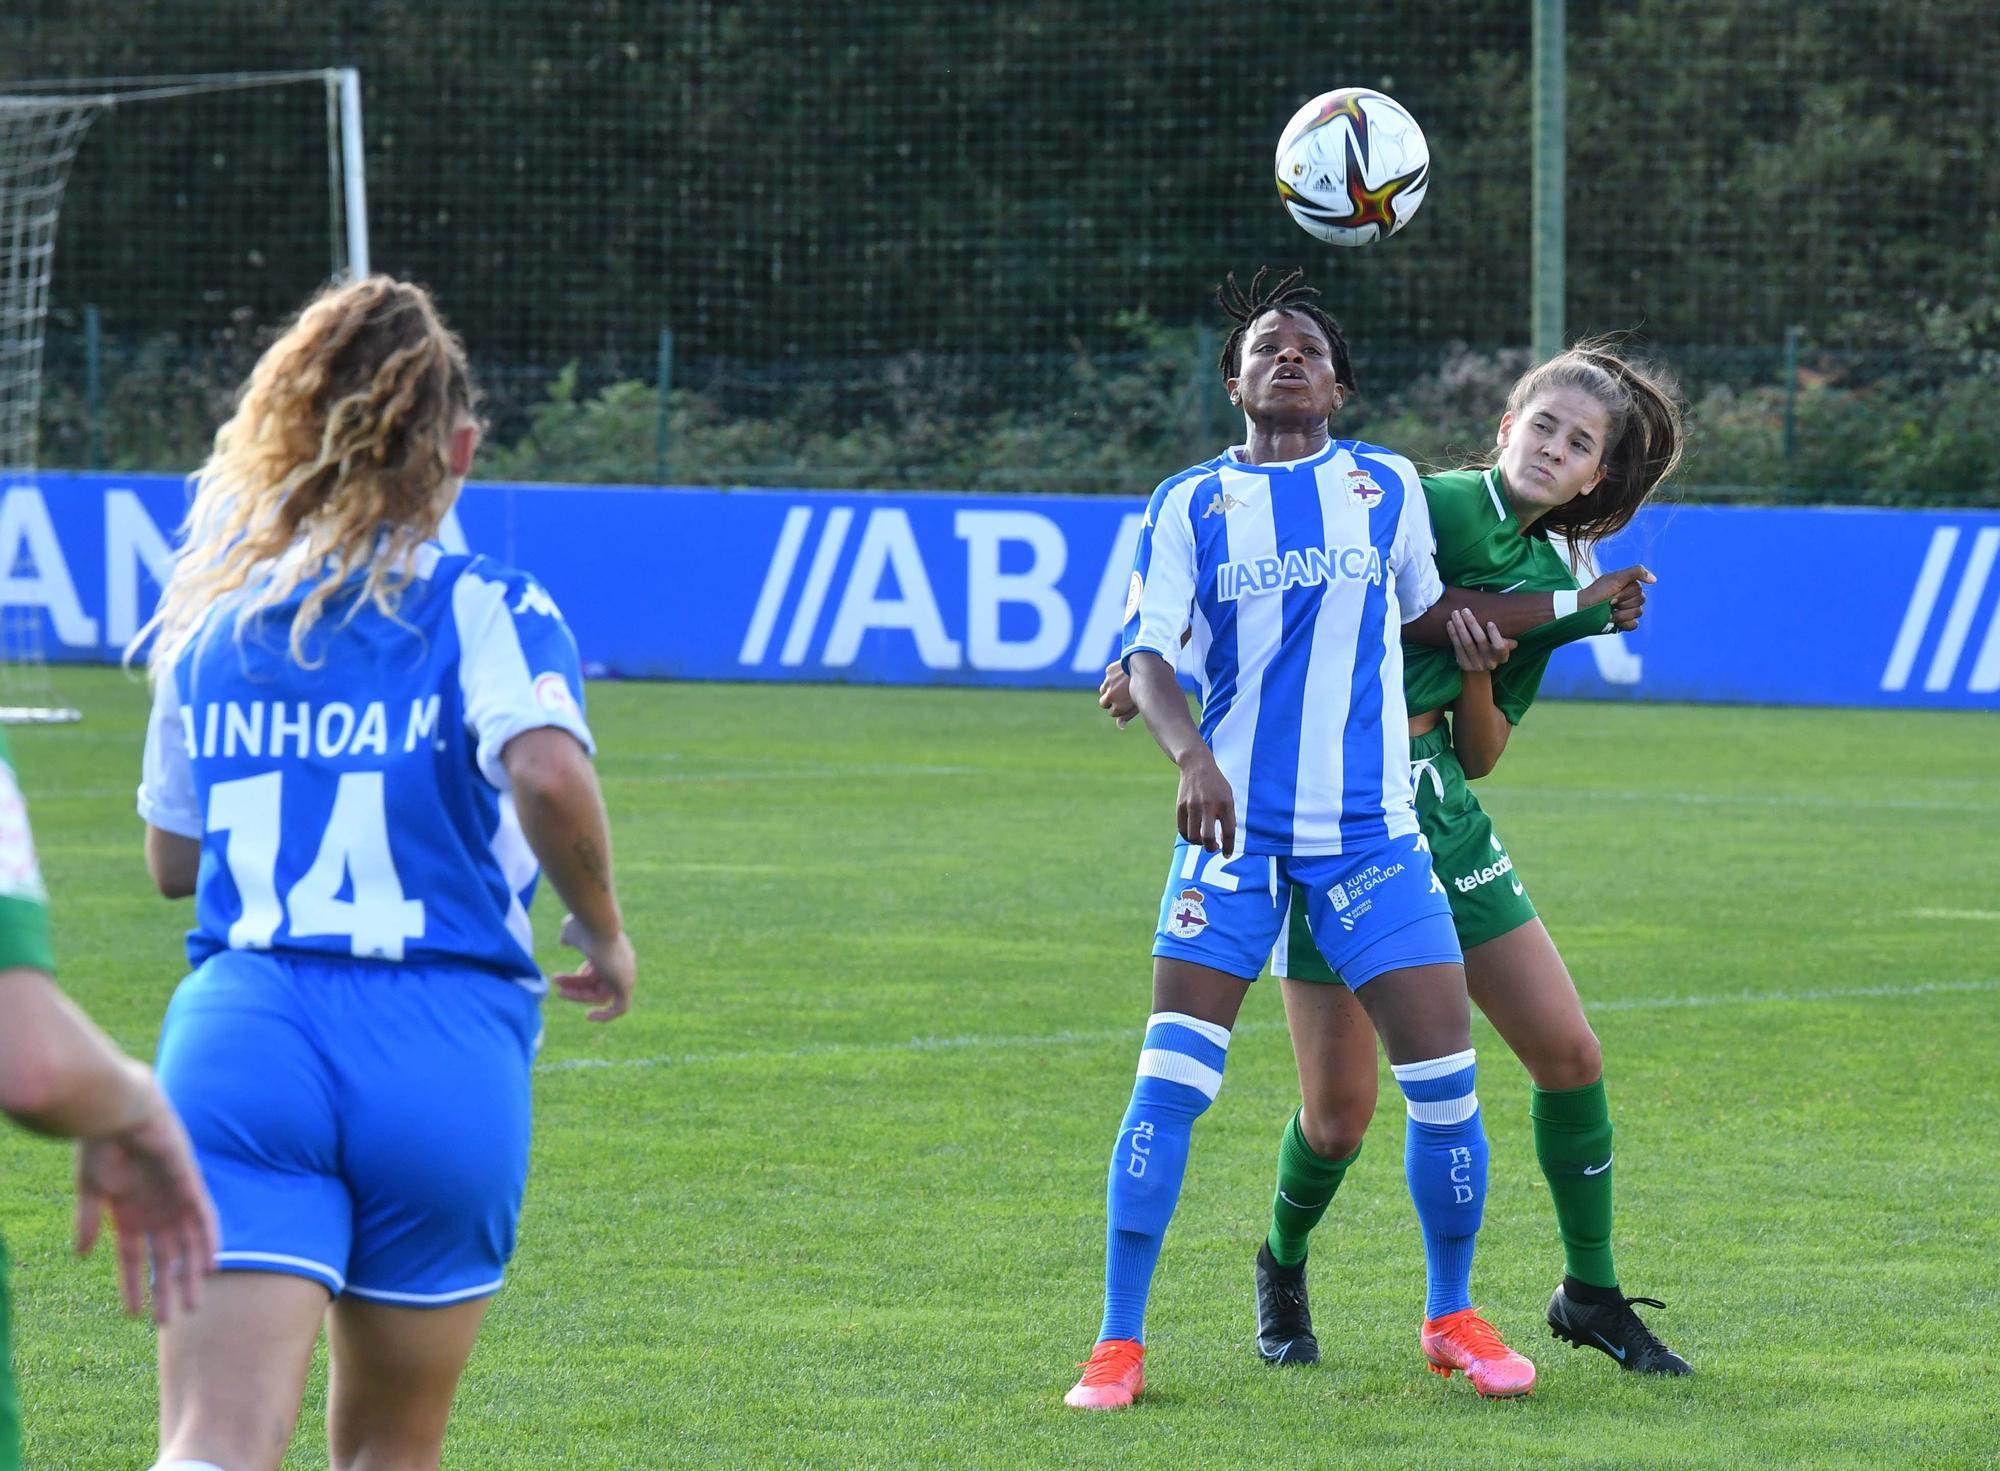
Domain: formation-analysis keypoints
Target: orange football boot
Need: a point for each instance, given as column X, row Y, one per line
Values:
column 1465, row 1341
column 1113, row 1378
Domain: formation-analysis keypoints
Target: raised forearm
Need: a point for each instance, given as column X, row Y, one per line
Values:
column 1163, row 706
column 1512, row 612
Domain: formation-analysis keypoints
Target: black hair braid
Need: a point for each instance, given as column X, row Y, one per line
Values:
column 1289, row 293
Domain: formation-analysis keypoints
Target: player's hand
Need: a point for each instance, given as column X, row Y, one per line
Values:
column 1624, row 590
column 1479, row 649
column 609, row 971
column 1206, row 809
column 1115, row 694
column 147, row 1181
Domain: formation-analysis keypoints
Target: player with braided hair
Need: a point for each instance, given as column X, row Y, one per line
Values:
column 1583, row 442
column 1288, row 293
column 1301, row 563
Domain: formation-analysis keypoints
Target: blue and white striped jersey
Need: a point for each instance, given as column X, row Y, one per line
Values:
column 1296, row 579
column 360, row 808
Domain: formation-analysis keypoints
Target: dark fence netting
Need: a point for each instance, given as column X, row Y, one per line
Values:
column 975, row 245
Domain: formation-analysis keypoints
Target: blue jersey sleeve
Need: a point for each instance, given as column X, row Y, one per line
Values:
column 1161, row 598
column 1413, row 557
column 518, row 666
column 167, row 796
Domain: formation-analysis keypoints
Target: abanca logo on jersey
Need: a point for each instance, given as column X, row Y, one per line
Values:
column 1308, row 568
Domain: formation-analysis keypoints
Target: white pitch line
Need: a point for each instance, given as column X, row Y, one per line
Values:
column 1049, row 1041
column 805, row 771
column 1743, row 799
column 1955, row 913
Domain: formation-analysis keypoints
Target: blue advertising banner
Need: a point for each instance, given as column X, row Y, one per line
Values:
column 1754, row 604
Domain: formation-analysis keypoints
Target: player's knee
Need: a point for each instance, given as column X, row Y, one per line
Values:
column 375, row 1424
column 1333, row 1129
column 219, row 1450
column 1573, row 1060
column 388, row 1453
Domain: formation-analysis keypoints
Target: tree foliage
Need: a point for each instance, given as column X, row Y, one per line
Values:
column 809, row 195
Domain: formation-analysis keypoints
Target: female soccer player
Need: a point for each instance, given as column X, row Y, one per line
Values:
column 1301, row 562
column 360, row 749
column 1584, row 440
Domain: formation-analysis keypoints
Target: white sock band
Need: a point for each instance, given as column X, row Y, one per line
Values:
column 1185, row 1049
column 1440, row 1090
column 186, row 1466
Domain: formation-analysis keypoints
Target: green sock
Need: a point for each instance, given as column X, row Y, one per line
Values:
column 1573, row 1143
column 1306, row 1185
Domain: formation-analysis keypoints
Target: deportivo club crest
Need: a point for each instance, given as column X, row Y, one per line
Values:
column 1186, row 918
column 1362, row 489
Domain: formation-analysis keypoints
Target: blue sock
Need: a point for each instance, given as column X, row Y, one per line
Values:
column 1180, row 1070
column 1444, row 1157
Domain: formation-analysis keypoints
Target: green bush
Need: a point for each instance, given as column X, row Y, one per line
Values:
column 1924, row 430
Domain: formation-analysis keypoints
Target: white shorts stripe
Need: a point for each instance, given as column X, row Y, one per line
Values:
column 1445, row 1110
column 279, row 1259
column 1178, row 1067
column 429, row 1299
column 1437, row 1067
column 1210, row 1031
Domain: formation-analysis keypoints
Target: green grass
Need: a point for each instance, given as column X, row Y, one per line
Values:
column 832, row 1195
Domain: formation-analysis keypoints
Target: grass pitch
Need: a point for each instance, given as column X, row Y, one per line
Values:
column 832, row 1195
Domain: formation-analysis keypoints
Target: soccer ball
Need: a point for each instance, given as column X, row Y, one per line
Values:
column 1353, row 166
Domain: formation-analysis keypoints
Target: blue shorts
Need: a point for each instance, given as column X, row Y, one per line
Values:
column 364, row 1125
column 1373, row 911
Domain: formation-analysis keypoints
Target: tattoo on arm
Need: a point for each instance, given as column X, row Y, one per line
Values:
column 591, row 861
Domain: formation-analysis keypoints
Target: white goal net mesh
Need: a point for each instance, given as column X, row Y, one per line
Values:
column 38, row 138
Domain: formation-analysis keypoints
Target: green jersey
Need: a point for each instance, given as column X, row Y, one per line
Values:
column 24, row 912
column 1480, row 544
column 24, row 941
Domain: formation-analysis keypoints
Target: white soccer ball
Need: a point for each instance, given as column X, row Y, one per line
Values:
column 1353, row 166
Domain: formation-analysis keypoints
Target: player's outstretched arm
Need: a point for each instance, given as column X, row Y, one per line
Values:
column 1206, row 807
column 60, row 1075
column 1519, row 612
column 562, row 816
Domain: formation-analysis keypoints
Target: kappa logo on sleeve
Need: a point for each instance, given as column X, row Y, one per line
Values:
column 552, row 694
column 534, row 599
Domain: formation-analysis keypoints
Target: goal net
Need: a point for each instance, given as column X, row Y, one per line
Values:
column 42, row 126
column 38, row 138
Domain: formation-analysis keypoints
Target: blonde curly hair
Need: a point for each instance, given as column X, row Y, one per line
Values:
column 336, row 463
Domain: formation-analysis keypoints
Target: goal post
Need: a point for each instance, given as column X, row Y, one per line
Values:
column 43, row 124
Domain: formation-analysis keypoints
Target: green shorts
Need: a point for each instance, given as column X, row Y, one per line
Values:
column 10, row 1404
column 1487, row 896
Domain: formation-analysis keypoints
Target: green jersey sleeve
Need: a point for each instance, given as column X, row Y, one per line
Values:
column 1461, row 516
column 24, row 911
column 1481, row 544
column 1455, row 500
column 1519, row 680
